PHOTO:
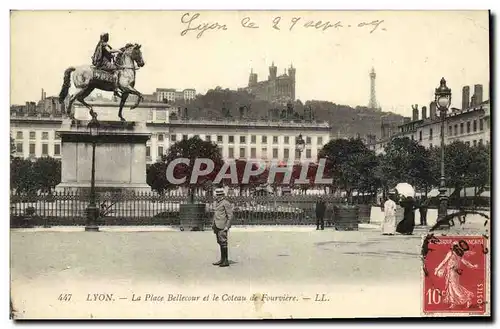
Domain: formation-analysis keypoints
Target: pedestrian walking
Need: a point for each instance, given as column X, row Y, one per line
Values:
column 223, row 214
column 389, row 223
column 424, row 205
column 320, row 213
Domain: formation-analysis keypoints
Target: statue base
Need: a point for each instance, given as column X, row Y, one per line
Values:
column 120, row 156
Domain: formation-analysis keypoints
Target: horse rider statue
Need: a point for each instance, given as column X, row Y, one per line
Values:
column 103, row 55
column 103, row 58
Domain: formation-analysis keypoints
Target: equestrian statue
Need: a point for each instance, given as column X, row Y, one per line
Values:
column 106, row 73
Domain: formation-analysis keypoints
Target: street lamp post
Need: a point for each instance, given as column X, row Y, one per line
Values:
column 443, row 101
column 299, row 146
column 92, row 209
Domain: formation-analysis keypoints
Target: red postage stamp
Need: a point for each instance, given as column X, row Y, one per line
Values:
column 455, row 274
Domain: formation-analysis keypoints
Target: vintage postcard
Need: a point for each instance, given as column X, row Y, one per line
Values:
column 249, row 164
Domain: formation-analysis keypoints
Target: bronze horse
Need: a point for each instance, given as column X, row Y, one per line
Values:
column 86, row 79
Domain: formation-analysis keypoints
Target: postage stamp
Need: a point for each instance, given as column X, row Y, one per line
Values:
column 455, row 274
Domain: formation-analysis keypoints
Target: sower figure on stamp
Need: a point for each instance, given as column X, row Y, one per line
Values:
column 320, row 213
column 223, row 214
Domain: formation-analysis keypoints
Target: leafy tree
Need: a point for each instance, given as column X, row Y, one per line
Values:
column 192, row 149
column 465, row 166
column 22, row 177
column 350, row 163
column 47, row 172
column 12, row 147
column 479, row 168
column 156, row 176
column 406, row 161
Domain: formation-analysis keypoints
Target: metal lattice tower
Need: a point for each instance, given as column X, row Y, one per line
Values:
column 373, row 97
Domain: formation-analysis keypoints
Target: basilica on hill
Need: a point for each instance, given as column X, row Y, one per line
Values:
column 277, row 88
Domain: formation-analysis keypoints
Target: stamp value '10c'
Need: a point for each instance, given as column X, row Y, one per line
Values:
column 456, row 275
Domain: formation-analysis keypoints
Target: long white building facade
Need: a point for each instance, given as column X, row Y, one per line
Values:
column 470, row 125
column 36, row 137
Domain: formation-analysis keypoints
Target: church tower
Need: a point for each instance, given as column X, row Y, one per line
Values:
column 252, row 80
column 291, row 74
column 273, row 71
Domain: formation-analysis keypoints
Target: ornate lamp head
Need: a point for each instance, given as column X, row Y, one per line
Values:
column 93, row 127
column 443, row 95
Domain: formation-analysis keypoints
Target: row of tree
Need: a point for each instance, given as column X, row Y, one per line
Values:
column 350, row 164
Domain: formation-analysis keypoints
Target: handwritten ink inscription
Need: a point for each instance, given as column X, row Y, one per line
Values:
column 193, row 23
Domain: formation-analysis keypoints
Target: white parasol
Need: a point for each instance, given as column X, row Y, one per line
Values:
column 405, row 189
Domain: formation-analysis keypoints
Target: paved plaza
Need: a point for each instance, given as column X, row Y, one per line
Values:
column 48, row 262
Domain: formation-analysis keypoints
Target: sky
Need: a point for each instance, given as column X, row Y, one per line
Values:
column 410, row 51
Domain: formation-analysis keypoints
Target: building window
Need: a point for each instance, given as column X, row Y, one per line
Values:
column 219, row 139
column 420, row 135
column 286, row 154
column 461, row 127
column 160, row 137
column 450, row 130
column 430, row 134
column 297, row 154
column 160, row 151
column 57, row 149
column 474, row 126
column 32, row 149
column 242, row 152
column 242, row 139
column 19, row 135
column 308, row 154
column 19, row 147
column 308, row 140
column 148, row 151
column 253, row 139
column 474, row 143
column 412, row 138
column 184, row 137
column 320, row 140
column 430, row 145
column 208, row 138
column 275, row 139
column 220, row 150
column 264, row 139
column 481, row 125
column 456, row 130
column 275, row 153
column 480, row 142
column 468, row 126
column 263, row 153
column 231, row 139
column 287, row 140
column 231, row 153
column 32, row 135
column 173, row 138
column 253, row 153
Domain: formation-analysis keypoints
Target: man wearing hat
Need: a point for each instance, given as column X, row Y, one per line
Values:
column 223, row 213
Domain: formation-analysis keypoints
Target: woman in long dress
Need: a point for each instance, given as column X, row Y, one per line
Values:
column 389, row 223
column 454, row 293
column 407, row 225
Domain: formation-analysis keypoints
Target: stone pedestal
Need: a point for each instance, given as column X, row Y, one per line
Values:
column 120, row 156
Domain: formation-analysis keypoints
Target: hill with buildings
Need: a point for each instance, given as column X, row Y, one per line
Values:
column 221, row 103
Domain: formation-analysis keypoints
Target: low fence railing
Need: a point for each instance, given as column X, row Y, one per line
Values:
column 155, row 209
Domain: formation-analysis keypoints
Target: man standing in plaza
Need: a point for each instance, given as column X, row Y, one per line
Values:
column 320, row 213
column 223, row 214
column 424, row 205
